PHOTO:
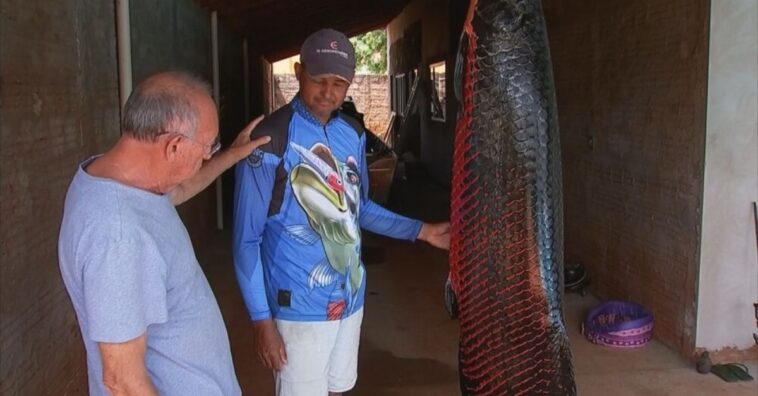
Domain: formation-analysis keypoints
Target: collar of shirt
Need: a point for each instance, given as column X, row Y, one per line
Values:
column 302, row 110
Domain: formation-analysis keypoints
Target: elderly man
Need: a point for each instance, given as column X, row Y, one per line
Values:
column 148, row 318
column 300, row 202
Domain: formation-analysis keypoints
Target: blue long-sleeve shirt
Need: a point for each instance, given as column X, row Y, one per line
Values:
column 299, row 204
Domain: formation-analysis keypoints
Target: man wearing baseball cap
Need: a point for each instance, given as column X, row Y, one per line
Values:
column 300, row 203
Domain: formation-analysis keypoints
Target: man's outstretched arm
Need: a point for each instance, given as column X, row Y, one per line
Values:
column 240, row 148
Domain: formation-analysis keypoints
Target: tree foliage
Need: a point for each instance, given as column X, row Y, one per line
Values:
column 371, row 52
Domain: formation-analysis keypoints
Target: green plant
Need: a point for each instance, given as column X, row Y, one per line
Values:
column 371, row 52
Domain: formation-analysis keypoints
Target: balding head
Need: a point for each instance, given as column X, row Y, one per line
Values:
column 164, row 103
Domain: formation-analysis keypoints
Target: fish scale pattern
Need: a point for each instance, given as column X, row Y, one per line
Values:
column 506, row 209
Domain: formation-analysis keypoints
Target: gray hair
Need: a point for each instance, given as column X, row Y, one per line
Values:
column 163, row 104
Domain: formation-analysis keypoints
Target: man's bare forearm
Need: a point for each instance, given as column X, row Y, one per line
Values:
column 210, row 171
column 124, row 371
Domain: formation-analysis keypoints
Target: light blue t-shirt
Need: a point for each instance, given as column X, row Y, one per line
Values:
column 129, row 268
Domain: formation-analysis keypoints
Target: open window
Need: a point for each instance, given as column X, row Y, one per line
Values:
column 398, row 93
column 402, row 92
column 438, row 100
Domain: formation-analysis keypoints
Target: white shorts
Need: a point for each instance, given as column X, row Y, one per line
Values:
column 322, row 357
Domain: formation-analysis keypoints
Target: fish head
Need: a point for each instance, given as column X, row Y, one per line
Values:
column 316, row 193
column 334, row 181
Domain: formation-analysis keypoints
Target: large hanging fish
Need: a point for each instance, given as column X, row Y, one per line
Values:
column 507, row 232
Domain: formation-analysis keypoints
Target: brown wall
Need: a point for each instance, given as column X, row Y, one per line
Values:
column 267, row 85
column 631, row 83
column 59, row 105
column 175, row 34
column 231, row 105
column 371, row 96
column 421, row 33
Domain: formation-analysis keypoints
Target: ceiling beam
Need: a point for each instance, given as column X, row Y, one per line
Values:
column 276, row 28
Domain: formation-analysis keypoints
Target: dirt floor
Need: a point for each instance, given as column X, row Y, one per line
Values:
column 409, row 344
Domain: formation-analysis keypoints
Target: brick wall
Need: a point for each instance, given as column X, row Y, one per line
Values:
column 369, row 92
column 59, row 100
column 631, row 83
column 285, row 88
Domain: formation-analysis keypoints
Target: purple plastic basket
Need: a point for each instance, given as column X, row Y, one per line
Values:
column 619, row 324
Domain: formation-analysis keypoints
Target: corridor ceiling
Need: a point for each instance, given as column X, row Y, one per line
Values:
column 276, row 28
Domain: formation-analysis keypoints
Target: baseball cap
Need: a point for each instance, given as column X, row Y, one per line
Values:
column 328, row 51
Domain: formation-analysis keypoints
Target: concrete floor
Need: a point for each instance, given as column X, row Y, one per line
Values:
column 409, row 344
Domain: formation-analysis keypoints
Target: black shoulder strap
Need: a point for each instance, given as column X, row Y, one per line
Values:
column 276, row 125
column 355, row 124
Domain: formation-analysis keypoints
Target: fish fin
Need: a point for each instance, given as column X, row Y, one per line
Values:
column 355, row 278
column 460, row 59
column 335, row 309
column 323, row 152
column 352, row 285
column 451, row 301
column 314, row 161
column 322, row 275
column 303, row 234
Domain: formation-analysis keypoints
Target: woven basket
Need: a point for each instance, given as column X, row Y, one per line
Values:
column 619, row 324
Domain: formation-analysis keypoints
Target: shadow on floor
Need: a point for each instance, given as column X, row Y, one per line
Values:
column 383, row 372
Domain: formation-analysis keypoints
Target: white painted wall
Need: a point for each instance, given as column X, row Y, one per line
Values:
column 729, row 261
